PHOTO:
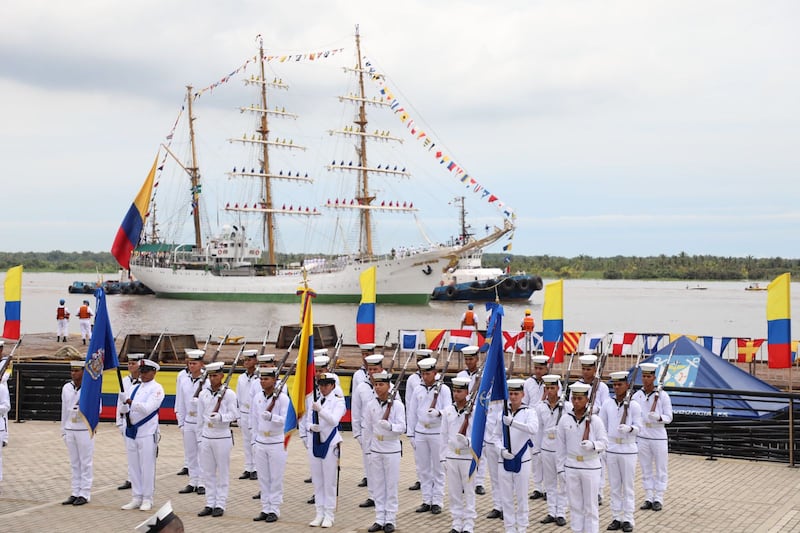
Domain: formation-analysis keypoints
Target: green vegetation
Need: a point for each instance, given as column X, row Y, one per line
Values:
column 676, row 267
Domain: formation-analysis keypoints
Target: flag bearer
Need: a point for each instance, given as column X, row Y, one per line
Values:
column 190, row 424
column 550, row 412
column 622, row 451
column 216, row 410
column 128, row 383
column 457, row 453
column 652, row 439
column 534, row 393
column 85, row 315
column 77, row 437
column 246, row 383
column 520, row 426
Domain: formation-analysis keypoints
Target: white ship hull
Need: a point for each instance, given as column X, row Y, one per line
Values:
column 402, row 280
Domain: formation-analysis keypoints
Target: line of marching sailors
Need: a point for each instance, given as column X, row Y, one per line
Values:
column 562, row 446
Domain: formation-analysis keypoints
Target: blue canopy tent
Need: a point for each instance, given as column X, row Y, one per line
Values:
column 692, row 365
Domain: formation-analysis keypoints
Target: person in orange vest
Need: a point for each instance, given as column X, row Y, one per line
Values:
column 469, row 320
column 527, row 326
column 85, row 315
column 62, row 321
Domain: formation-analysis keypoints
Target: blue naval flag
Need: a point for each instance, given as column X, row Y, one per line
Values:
column 493, row 385
column 101, row 355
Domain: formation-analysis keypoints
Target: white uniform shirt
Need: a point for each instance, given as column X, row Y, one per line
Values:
column 147, row 399
column 381, row 440
column 548, row 423
column 418, row 418
column 268, row 431
column 228, row 411
column 651, row 429
column 611, row 413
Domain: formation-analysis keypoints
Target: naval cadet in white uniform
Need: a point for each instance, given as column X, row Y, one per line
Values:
column 457, row 454
column 550, row 411
column 128, row 382
column 186, row 413
column 77, row 437
column 362, row 396
column 534, row 394
column 412, row 382
column 246, row 383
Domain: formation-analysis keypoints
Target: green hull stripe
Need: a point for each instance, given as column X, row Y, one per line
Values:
column 401, row 299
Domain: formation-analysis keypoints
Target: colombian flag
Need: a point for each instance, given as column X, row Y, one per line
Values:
column 365, row 319
column 13, row 293
column 779, row 322
column 131, row 229
column 303, row 383
column 553, row 320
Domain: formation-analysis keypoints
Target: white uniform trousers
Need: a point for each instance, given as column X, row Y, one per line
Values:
column 323, row 476
column 81, row 448
column 142, row 465
column 247, row 439
column 480, row 472
column 365, row 454
column 556, row 493
column 653, row 458
column 461, row 494
column 63, row 327
column 430, row 469
column 191, row 440
column 270, row 463
column 536, row 470
column 215, row 465
column 385, row 474
column 490, row 459
column 514, row 493
column 583, row 485
column 86, row 328
column 621, row 468
column 3, row 437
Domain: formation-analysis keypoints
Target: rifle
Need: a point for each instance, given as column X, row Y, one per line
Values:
column 441, row 379
column 552, row 360
column 335, row 358
column 394, row 357
column 563, row 398
column 661, row 380
column 383, row 348
column 471, row 402
column 286, row 355
column 264, row 344
column 396, row 388
column 7, row 359
column 593, row 394
column 208, row 339
column 627, row 401
column 228, row 379
column 156, row 345
column 204, row 376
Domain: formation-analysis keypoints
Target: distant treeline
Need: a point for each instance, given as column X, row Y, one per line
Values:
column 681, row 267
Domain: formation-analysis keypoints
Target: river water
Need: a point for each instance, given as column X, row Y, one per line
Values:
column 721, row 309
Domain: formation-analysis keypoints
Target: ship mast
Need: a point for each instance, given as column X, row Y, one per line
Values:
column 263, row 131
column 194, row 174
column 363, row 198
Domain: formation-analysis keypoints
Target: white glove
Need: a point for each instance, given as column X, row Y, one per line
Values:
column 433, row 412
column 505, row 454
column 551, row 429
column 587, row 445
column 461, row 441
column 305, row 442
column 193, row 402
column 562, row 479
column 215, row 417
column 508, row 419
column 316, row 406
column 266, row 415
column 653, row 416
column 123, row 397
column 413, row 443
column 315, row 428
column 358, row 438
column 624, row 428
column 124, row 409
column 385, row 425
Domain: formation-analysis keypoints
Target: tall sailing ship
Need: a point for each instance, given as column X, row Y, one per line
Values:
column 229, row 266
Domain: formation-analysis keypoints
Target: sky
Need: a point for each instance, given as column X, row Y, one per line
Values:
column 611, row 128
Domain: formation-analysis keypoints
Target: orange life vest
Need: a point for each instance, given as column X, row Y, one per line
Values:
column 527, row 324
column 469, row 318
column 61, row 313
column 83, row 312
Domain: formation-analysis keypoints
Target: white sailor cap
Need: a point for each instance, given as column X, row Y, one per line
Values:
column 622, row 375
column 76, row 364
column 194, row 354
column 381, row 377
column 147, row 364
column 461, row 383
column 580, row 389
column 268, row 371
column 540, row 360
column 516, row 384
column 249, row 353
column 214, row 368
column 134, row 357
column 551, row 379
column 158, row 521
column 265, row 357
column 321, row 351
column 648, row 368
column 588, row 360
column 321, row 360
column 367, row 347
column 374, row 359
column 327, row 378
column 470, row 351
column 423, row 353
column 427, row 364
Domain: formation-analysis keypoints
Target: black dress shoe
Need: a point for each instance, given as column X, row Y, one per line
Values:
column 436, row 509
column 415, row 486
column 183, row 471
column 312, row 500
column 69, row 501
column 363, row 483
column 80, row 500
column 495, row 514
column 646, row 505
column 389, row 528
column 188, row 489
column 424, row 508
column 262, row 516
column 257, row 496
column 218, row 511
column 253, row 475
column 657, row 506
column 124, row 486
column 480, row 490
column 536, row 495
column 245, row 475
column 549, row 519
column 455, row 531
column 627, row 527
column 375, row 527
column 201, row 490
column 368, row 503
column 271, row 517
column 307, row 480
column 561, row 521
column 206, row 511
column 614, row 525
